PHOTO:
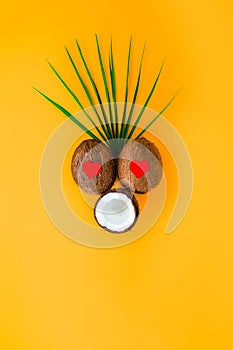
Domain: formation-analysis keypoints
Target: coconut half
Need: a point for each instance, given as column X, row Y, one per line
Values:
column 93, row 167
column 117, row 211
column 140, row 165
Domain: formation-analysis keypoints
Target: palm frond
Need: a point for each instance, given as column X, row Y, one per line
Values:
column 111, row 127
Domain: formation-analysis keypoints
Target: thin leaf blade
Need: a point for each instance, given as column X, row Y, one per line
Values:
column 134, row 97
column 88, row 96
column 68, row 114
column 146, row 103
column 113, row 85
column 76, row 98
column 157, row 116
column 95, row 89
column 105, row 84
column 126, row 89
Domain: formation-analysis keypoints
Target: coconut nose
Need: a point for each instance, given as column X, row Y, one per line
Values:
column 116, row 211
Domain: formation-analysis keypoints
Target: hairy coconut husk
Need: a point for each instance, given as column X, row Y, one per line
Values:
column 140, row 150
column 134, row 207
column 94, row 152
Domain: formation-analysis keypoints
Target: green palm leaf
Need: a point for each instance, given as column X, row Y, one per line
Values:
column 105, row 84
column 157, row 116
column 126, row 90
column 110, row 128
column 134, row 97
column 146, row 103
column 69, row 115
column 95, row 90
column 77, row 100
column 113, row 85
column 88, row 96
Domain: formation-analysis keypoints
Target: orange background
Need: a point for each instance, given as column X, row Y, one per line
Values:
column 161, row 292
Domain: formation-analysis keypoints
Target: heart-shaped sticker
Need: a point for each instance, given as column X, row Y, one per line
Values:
column 139, row 168
column 91, row 169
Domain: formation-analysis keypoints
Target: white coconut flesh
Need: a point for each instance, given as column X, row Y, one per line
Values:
column 115, row 212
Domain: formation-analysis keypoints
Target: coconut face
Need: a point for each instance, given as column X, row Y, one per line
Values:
column 140, row 165
column 93, row 168
column 116, row 211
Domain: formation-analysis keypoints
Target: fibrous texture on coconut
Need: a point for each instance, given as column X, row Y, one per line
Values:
column 93, row 167
column 140, row 165
column 116, row 211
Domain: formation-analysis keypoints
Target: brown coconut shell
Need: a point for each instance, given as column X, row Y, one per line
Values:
column 140, row 150
column 93, row 151
column 134, row 202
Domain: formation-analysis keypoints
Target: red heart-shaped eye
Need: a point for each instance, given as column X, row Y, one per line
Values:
column 139, row 168
column 91, row 169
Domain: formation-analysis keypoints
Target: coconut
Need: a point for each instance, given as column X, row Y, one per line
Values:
column 93, row 167
column 117, row 211
column 140, row 165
